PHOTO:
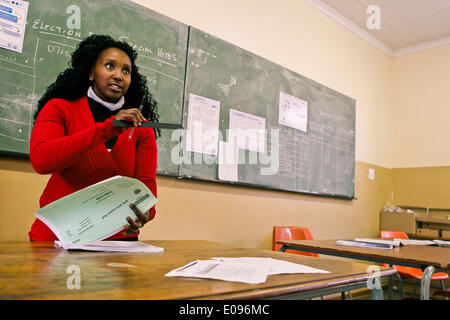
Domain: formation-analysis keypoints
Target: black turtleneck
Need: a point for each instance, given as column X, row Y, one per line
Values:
column 100, row 114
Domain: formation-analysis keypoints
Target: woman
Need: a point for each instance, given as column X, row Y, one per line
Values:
column 73, row 137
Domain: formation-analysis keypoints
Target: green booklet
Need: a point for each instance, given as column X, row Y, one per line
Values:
column 96, row 212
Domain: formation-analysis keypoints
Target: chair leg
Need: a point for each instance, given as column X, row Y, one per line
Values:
column 443, row 288
column 415, row 287
column 350, row 295
column 391, row 280
column 400, row 285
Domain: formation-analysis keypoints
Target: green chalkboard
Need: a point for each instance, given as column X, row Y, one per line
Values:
column 161, row 44
column 309, row 141
column 290, row 132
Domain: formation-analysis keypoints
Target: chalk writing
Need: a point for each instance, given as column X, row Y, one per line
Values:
column 138, row 47
column 40, row 25
column 56, row 49
column 167, row 55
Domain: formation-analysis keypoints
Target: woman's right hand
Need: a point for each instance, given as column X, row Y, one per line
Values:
column 131, row 115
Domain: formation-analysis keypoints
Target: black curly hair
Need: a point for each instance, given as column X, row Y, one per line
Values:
column 74, row 82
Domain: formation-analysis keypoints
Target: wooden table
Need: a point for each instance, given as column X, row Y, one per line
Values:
column 431, row 259
column 38, row 270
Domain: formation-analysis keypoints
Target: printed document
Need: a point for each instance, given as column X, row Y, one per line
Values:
column 243, row 269
column 276, row 266
column 293, row 112
column 405, row 242
column 112, row 246
column 96, row 212
column 202, row 134
column 13, row 22
column 247, row 131
column 228, row 271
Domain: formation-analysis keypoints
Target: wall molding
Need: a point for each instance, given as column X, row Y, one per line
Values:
column 422, row 46
column 333, row 14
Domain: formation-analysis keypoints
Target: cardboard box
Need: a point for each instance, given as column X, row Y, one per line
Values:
column 428, row 232
column 398, row 221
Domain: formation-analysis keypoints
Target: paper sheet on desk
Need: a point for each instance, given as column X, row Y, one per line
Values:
column 218, row 270
column 275, row 266
column 245, row 269
column 112, row 246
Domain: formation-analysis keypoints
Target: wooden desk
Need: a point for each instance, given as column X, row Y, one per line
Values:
column 435, row 220
column 38, row 270
column 437, row 224
column 431, row 259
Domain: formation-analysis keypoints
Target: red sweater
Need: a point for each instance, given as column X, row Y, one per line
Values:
column 67, row 143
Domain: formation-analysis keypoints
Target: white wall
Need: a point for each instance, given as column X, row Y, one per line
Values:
column 422, row 108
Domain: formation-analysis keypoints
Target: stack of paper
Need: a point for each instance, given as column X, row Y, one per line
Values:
column 389, row 244
column 82, row 218
column 442, row 243
column 364, row 244
column 405, row 242
column 245, row 269
column 112, row 246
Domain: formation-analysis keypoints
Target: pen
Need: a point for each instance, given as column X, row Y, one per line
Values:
column 140, row 108
column 189, row 265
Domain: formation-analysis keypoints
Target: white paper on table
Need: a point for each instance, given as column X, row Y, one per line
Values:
column 275, row 266
column 13, row 21
column 202, row 134
column 394, row 242
column 293, row 112
column 228, row 161
column 112, row 246
column 415, row 242
column 227, row 271
column 247, row 131
column 442, row 243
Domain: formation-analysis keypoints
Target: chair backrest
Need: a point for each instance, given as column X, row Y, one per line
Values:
column 393, row 234
column 291, row 233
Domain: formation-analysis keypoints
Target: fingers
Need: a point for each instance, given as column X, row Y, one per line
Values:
column 143, row 218
column 131, row 114
column 131, row 228
column 134, row 225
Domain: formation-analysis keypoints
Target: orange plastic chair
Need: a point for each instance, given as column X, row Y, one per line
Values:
column 409, row 272
column 291, row 233
column 295, row 233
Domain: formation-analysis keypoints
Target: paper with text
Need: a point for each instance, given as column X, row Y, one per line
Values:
column 227, row 271
column 293, row 112
column 13, row 21
column 247, row 131
column 276, row 266
column 96, row 212
column 202, row 134
column 112, row 246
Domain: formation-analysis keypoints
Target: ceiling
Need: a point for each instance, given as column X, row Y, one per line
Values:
column 406, row 25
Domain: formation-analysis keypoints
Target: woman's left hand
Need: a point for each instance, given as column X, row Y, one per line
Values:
column 135, row 225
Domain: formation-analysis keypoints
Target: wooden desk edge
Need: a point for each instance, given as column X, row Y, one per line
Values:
column 347, row 250
column 280, row 291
